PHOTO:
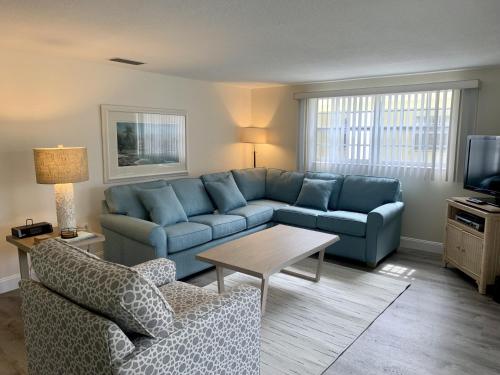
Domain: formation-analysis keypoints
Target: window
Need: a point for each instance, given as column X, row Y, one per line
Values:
column 384, row 134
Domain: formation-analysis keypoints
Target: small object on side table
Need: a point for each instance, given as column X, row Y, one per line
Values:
column 41, row 238
column 69, row 233
column 24, row 246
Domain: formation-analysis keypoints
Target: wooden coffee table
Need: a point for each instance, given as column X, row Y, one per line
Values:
column 269, row 251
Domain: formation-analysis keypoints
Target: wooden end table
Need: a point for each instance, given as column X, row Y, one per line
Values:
column 269, row 251
column 24, row 246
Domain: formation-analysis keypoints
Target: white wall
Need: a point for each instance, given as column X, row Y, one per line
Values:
column 47, row 101
column 425, row 200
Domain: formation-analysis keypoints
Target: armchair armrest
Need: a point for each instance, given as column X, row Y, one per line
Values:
column 160, row 271
column 385, row 214
column 142, row 231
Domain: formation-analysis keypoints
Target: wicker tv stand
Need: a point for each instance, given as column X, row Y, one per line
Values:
column 473, row 252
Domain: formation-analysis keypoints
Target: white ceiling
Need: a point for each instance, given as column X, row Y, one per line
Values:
column 275, row 41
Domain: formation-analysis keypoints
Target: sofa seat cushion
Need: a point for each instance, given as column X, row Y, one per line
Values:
column 365, row 193
column 344, row 222
column 193, row 196
column 275, row 205
column 283, row 185
column 251, row 182
column 299, row 216
column 119, row 293
column 182, row 236
column 254, row 214
column 183, row 297
column 222, row 225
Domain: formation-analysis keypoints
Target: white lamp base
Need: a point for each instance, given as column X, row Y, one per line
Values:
column 65, row 206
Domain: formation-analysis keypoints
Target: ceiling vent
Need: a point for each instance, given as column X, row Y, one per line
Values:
column 126, row 61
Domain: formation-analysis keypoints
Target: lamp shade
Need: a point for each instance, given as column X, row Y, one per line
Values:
column 61, row 165
column 253, row 135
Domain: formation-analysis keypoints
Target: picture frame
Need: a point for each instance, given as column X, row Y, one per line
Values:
column 142, row 143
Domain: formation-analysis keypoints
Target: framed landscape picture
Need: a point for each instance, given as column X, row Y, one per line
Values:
column 141, row 143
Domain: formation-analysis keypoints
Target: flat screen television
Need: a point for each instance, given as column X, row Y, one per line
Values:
column 482, row 167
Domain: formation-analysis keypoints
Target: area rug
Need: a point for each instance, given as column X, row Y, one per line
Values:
column 308, row 325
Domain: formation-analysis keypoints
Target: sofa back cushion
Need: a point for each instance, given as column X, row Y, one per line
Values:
column 124, row 199
column 365, row 193
column 251, row 182
column 120, row 293
column 224, row 191
column 283, row 185
column 193, row 196
column 334, row 198
column 163, row 205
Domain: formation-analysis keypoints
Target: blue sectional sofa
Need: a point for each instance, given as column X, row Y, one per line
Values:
column 364, row 211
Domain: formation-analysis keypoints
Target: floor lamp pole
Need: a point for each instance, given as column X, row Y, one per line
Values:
column 254, row 157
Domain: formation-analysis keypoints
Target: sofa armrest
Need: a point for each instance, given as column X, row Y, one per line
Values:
column 139, row 230
column 160, row 271
column 383, row 215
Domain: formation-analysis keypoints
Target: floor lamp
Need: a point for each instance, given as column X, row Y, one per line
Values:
column 254, row 136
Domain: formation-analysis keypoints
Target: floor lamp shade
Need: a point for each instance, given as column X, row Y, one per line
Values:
column 62, row 166
column 255, row 136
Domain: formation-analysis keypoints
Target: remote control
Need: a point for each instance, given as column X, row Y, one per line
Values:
column 475, row 201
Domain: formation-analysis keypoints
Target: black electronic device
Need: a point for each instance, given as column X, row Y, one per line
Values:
column 482, row 167
column 33, row 229
column 470, row 220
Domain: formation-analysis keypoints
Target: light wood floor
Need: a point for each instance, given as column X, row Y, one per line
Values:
column 440, row 325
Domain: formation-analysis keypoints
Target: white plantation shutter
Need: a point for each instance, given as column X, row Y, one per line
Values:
column 384, row 134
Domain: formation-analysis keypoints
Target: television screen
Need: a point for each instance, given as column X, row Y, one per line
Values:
column 482, row 167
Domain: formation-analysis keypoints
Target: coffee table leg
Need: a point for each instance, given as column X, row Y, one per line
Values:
column 321, row 256
column 263, row 294
column 220, row 278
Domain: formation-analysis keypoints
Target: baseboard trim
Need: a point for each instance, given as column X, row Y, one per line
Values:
column 9, row 283
column 422, row 245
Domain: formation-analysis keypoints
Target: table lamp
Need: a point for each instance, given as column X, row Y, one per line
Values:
column 255, row 136
column 62, row 166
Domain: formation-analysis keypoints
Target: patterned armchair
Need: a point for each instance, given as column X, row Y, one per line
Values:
column 89, row 316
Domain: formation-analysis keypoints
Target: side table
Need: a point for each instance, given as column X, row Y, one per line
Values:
column 24, row 246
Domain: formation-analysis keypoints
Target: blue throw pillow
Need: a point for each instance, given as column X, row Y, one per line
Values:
column 315, row 194
column 225, row 194
column 163, row 206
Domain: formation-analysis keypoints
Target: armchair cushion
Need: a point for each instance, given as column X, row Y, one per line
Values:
column 183, row 297
column 163, row 206
column 225, row 193
column 159, row 271
column 251, row 182
column 283, row 185
column 315, row 194
column 222, row 225
column 120, row 293
column 344, row 222
column 182, row 236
